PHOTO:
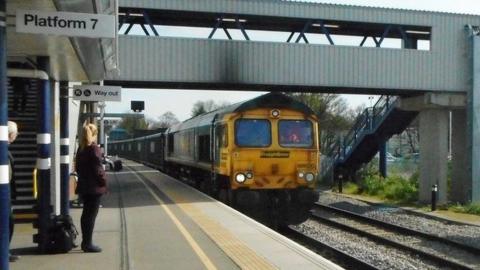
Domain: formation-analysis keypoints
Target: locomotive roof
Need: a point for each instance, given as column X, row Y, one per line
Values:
column 269, row 100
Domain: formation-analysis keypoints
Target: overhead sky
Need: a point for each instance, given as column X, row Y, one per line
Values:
column 180, row 102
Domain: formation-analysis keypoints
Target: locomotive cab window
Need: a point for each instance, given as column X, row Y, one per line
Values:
column 221, row 135
column 170, row 143
column 253, row 133
column 295, row 133
column 204, row 148
column 152, row 147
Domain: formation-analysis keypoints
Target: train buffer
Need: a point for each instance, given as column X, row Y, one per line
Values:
column 151, row 221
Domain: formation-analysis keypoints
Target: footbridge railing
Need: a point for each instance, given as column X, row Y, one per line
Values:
column 365, row 124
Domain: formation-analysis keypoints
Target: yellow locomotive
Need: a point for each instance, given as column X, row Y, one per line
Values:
column 259, row 156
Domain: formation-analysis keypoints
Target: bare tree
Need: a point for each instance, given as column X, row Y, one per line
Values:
column 166, row 120
column 131, row 123
column 201, row 107
column 413, row 138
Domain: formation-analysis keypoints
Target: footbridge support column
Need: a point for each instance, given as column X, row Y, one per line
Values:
column 461, row 184
column 433, row 154
column 434, row 110
column 473, row 122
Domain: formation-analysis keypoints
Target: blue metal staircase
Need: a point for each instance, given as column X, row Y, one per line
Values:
column 372, row 128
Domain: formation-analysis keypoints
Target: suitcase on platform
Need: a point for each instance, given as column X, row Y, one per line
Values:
column 117, row 165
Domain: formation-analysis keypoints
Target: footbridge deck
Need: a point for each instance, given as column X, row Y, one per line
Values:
column 160, row 61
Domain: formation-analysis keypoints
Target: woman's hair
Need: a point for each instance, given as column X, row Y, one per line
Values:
column 12, row 131
column 12, row 127
column 89, row 135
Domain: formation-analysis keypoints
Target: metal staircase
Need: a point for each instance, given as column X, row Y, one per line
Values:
column 372, row 128
column 24, row 151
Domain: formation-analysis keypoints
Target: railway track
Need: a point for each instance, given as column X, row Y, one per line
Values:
column 440, row 251
column 336, row 255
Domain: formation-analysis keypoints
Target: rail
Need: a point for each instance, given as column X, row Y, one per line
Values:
column 337, row 256
column 384, row 233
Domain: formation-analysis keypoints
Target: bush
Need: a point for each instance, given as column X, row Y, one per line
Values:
column 373, row 184
column 393, row 188
column 400, row 190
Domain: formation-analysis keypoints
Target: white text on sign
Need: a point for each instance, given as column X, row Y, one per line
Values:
column 66, row 23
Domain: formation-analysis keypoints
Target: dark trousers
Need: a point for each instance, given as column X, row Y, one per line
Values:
column 91, row 203
column 12, row 224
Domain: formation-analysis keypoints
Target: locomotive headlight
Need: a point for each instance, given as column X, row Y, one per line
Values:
column 240, row 178
column 301, row 175
column 249, row 175
column 275, row 113
column 309, row 177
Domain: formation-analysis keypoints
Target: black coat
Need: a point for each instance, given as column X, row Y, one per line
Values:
column 91, row 175
column 13, row 188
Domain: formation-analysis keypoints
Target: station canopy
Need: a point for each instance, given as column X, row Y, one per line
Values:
column 79, row 59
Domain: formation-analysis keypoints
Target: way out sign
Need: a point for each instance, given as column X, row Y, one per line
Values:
column 97, row 93
column 66, row 24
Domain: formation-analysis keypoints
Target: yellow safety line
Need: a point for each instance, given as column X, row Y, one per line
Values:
column 203, row 257
column 239, row 252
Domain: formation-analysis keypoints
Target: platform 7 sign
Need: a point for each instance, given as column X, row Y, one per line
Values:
column 71, row 24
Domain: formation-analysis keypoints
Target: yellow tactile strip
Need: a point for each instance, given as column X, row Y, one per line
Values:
column 238, row 251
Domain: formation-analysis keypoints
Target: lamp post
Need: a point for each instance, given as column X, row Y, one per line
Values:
column 370, row 98
column 101, row 106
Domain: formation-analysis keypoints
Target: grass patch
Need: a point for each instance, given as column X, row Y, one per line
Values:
column 351, row 188
column 472, row 208
column 398, row 190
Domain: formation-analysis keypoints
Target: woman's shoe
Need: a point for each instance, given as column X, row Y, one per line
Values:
column 13, row 258
column 91, row 249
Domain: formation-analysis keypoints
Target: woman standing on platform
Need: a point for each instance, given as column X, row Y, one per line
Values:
column 92, row 183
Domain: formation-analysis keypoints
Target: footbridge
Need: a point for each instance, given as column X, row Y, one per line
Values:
column 325, row 47
column 425, row 58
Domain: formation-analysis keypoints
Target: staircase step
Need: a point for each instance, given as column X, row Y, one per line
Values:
column 15, row 146
column 19, row 175
column 22, row 166
column 24, row 200
column 23, row 159
column 25, row 152
column 25, row 218
column 23, row 207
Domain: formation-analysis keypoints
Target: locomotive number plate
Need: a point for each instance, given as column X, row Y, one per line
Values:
column 275, row 154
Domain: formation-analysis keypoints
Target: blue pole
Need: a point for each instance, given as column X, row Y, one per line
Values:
column 43, row 158
column 4, row 170
column 64, row 150
column 383, row 158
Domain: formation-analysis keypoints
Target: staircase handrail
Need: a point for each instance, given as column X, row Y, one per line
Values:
column 367, row 121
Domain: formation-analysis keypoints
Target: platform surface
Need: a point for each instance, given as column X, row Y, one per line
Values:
column 151, row 221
